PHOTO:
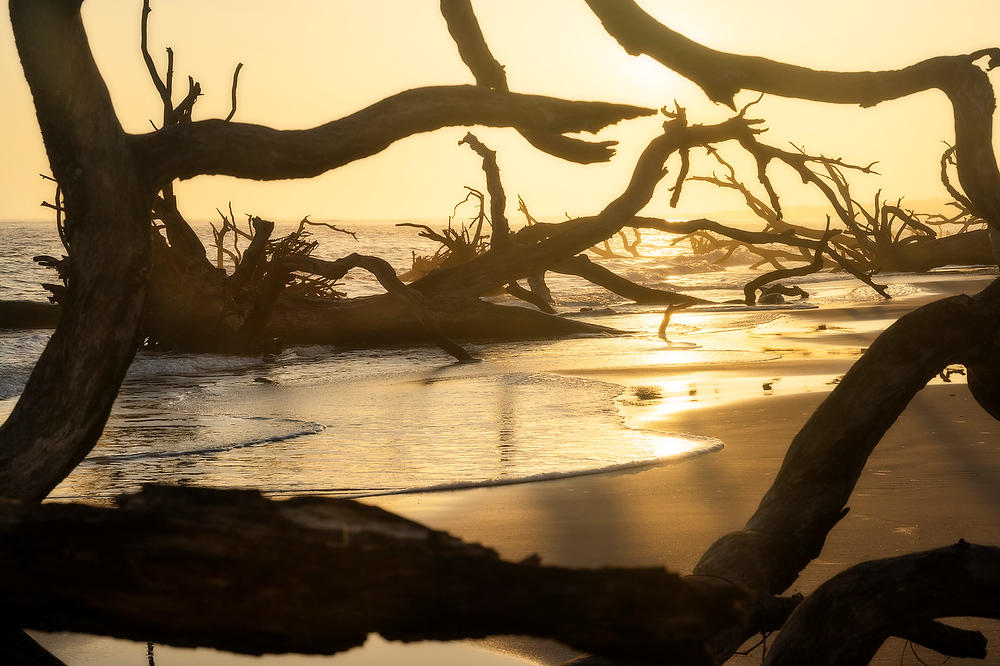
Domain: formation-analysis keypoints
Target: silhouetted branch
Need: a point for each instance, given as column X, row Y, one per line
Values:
column 722, row 75
column 386, row 277
column 357, row 570
column 489, row 73
column 874, row 600
column 154, row 75
column 582, row 266
column 253, row 151
column 236, row 78
column 498, row 198
column 826, row 457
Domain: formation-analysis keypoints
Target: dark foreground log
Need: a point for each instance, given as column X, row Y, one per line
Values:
column 28, row 314
column 233, row 570
column 17, row 647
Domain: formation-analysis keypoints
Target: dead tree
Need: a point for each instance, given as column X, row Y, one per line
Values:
column 214, row 545
column 193, row 305
column 109, row 180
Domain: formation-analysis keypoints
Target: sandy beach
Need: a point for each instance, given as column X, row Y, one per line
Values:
column 935, row 477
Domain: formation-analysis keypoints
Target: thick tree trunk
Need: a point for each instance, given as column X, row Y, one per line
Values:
column 70, row 392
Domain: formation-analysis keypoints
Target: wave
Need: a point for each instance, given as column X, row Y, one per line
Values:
column 712, row 445
column 310, row 428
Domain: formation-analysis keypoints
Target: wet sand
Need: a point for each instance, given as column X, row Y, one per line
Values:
column 935, row 477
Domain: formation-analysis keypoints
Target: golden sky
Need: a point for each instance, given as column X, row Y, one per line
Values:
column 310, row 61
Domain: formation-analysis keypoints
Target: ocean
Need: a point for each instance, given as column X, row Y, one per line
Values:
column 356, row 423
column 373, row 422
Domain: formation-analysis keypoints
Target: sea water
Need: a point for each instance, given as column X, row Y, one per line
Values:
column 354, row 423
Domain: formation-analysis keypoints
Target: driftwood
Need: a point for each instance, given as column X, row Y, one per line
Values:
column 28, row 314
column 721, row 75
column 870, row 601
column 489, row 73
column 582, row 266
column 120, row 571
column 107, row 207
column 343, row 551
column 325, row 573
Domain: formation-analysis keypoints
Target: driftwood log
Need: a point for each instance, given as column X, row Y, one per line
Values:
column 92, row 569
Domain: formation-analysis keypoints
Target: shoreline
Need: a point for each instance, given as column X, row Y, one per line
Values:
column 934, row 478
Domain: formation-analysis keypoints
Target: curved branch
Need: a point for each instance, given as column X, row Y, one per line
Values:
column 721, row 75
column 874, row 600
column 826, row 457
column 489, row 73
column 236, row 81
column 497, row 269
column 210, row 147
column 386, row 277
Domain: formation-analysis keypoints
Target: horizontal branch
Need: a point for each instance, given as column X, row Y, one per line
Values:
column 236, row 571
column 496, row 269
column 583, row 267
column 721, row 75
column 242, row 150
column 386, row 276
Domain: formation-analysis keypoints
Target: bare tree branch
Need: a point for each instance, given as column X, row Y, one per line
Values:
column 488, row 72
column 252, row 151
column 874, row 600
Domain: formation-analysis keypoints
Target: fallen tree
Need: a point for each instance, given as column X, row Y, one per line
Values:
column 220, row 546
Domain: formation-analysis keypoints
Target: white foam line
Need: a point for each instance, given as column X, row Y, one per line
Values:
column 312, row 430
column 636, row 465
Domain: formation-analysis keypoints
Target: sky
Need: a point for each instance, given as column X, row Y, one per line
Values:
column 310, row 61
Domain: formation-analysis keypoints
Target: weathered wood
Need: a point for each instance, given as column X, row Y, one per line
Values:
column 963, row 249
column 495, row 269
column 582, row 266
column 413, row 300
column 66, row 401
column 848, row 618
column 382, row 321
column 233, row 570
column 463, row 26
column 218, row 147
column 721, row 75
column 254, row 255
column 825, row 458
column 529, row 296
column 28, row 314
column 498, row 198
